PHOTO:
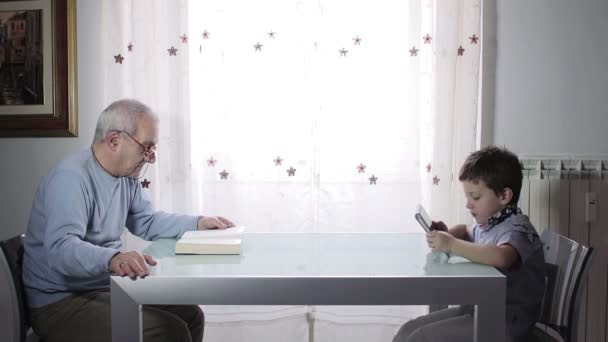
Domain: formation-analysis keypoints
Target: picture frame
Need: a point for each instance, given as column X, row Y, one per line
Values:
column 38, row 82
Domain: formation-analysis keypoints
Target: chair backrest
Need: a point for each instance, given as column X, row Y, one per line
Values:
column 567, row 264
column 11, row 262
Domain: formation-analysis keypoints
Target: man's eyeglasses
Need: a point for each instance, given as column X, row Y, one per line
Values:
column 148, row 152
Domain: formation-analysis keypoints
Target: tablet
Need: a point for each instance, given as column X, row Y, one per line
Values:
column 423, row 218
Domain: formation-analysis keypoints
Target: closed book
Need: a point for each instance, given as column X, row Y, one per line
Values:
column 208, row 246
column 212, row 241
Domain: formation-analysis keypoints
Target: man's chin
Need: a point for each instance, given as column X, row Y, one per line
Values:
column 136, row 173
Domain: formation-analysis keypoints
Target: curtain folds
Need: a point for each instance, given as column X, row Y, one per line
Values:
column 302, row 116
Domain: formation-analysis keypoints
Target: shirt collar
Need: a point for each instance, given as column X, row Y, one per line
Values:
column 502, row 215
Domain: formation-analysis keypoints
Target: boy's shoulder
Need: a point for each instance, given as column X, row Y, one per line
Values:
column 517, row 224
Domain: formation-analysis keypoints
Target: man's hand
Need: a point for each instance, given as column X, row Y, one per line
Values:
column 132, row 264
column 440, row 241
column 213, row 222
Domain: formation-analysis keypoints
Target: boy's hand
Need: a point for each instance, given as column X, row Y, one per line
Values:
column 440, row 241
column 439, row 225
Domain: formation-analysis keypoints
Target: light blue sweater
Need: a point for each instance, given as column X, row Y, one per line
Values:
column 78, row 215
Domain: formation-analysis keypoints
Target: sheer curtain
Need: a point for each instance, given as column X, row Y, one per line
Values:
column 303, row 116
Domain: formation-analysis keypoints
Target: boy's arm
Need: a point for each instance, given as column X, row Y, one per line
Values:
column 459, row 231
column 503, row 256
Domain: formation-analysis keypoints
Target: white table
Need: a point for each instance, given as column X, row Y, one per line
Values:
column 312, row 269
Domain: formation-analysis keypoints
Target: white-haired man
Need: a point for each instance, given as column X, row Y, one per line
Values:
column 72, row 244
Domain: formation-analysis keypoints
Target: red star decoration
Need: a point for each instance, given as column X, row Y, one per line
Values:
column 460, row 51
column 145, row 183
column 427, row 39
column 211, row 162
column 205, row 34
column 172, row 51
column 291, row 171
column 413, row 51
column 184, row 38
column 361, row 168
column 372, row 180
column 343, row 52
column 271, row 35
column 428, row 167
column 118, row 59
column 357, row 40
column 130, row 47
column 258, row 47
column 224, row 174
column 473, row 39
column 436, row 180
column 278, row 161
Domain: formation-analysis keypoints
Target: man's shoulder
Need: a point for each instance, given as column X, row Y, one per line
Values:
column 74, row 167
column 75, row 163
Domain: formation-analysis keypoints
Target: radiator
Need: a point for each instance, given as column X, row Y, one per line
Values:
column 566, row 196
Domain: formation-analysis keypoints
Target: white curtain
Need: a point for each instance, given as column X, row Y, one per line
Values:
column 303, row 116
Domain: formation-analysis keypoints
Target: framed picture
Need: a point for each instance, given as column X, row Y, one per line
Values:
column 38, row 92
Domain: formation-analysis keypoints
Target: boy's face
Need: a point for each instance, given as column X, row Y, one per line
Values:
column 482, row 202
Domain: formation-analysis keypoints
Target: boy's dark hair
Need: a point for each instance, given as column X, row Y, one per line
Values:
column 498, row 168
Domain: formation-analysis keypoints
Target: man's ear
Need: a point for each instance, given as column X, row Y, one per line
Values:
column 113, row 140
column 506, row 196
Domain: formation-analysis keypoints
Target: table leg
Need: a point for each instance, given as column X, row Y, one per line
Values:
column 490, row 320
column 126, row 315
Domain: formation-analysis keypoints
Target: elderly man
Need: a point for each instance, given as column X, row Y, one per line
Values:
column 72, row 244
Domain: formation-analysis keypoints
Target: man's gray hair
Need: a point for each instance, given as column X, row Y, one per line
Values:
column 121, row 115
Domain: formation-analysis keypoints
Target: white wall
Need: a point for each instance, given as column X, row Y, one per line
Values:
column 551, row 92
column 552, row 76
column 25, row 160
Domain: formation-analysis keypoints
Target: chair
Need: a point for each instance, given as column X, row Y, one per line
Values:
column 567, row 264
column 12, row 293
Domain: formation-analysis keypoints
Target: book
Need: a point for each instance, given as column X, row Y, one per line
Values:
column 211, row 241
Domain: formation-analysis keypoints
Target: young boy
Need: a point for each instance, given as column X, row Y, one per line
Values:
column 501, row 237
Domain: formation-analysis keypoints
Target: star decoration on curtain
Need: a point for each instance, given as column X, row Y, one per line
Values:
column 130, row 47
column 211, row 162
column 172, row 51
column 184, row 38
column 460, row 51
column 436, row 180
column 413, row 51
column 357, row 40
column 277, row 161
column 361, row 168
column 118, row 59
column 428, row 168
column 145, row 183
column 258, row 47
column 291, row 171
column 427, row 39
column 224, row 174
column 372, row 180
column 271, row 34
column 205, row 34
column 343, row 52
column 473, row 39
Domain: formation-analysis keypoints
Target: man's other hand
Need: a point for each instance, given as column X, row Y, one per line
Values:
column 132, row 264
column 213, row 222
